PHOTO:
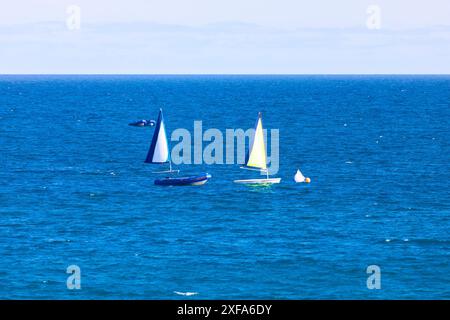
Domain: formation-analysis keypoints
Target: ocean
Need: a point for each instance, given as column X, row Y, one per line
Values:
column 74, row 189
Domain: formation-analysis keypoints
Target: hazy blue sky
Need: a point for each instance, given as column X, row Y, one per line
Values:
column 225, row 36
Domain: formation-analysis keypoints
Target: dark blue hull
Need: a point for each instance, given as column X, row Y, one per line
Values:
column 184, row 181
column 143, row 123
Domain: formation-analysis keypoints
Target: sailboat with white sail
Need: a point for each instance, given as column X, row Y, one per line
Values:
column 159, row 153
column 257, row 157
column 159, row 148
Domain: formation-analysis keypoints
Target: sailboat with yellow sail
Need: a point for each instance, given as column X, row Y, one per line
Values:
column 257, row 157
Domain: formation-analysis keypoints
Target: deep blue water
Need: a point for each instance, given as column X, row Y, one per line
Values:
column 74, row 189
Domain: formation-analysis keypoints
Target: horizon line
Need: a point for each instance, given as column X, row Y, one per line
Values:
column 224, row 74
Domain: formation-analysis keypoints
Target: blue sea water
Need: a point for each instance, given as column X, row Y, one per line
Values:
column 74, row 189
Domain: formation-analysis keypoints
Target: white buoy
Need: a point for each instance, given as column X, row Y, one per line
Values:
column 299, row 177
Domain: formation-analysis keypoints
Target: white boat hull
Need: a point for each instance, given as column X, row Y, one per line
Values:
column 199, row 183
column 259, row 181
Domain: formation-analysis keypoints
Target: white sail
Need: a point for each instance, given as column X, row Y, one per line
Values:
column 159, row 148
column 161, row 152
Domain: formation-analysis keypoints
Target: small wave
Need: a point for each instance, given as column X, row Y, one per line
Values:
column 49, row 282
column 419, row 241
column 58, row 240
column 430, row 241
column 185, row 293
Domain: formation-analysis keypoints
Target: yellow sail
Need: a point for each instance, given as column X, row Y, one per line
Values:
column 257, row 154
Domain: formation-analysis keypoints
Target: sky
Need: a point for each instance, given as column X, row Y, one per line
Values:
column 225, row 37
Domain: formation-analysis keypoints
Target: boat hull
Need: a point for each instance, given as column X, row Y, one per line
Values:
column 184, row 181
column 259, row 181
column 142, row 123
